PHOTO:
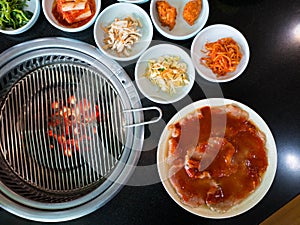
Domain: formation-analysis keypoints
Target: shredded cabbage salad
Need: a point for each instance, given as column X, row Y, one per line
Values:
column 168, row 73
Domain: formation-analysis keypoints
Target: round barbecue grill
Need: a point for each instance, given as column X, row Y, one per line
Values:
column 71, row 127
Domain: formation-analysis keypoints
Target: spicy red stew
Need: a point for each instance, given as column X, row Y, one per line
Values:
column 217, row 157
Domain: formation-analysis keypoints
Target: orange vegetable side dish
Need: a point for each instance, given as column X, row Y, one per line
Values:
column 216, row 157
column 223, row 56
column 73, row 13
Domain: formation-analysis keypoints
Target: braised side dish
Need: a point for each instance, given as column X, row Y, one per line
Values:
column 166, row 14
column 216, row 157
column 192, row 11
column 73, row 13
column 223, row 56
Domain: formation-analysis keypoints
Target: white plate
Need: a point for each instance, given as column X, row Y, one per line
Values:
column 211, row 34
column 182, row 30
column 123, row 10
column 153, row 92
column 247, row 203
column 47, row 9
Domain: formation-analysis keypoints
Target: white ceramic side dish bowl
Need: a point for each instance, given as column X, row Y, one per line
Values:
column 152, row 91
column 32, row 6
column 122, row 11
column 47, row 9
column 182, row 30
column 211, row 34
column 134, row 1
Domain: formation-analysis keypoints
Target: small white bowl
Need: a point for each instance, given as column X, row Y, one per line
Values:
column 182, row 30
column 153, row 92
column 246, row 204
column 32, row 6
column 47, row 9
column 121, row 11
column 211, row 34
column 134, row 1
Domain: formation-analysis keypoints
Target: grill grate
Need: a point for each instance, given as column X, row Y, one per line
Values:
column 65, row 181
column 38, row 112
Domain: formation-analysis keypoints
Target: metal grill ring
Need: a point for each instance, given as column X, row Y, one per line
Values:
column 70, row 129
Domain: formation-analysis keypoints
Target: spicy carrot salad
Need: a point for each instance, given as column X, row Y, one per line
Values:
column 223, row 56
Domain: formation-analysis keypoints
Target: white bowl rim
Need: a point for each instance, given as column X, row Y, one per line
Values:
column 191, row 76
column 177, row 37
column 259, row 192
column 245, row 48
column 70, row 29
column 144, row 14
column 134, row 1
column 28, row 25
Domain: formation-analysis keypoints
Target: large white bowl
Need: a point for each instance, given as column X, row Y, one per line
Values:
column 32, row 6
column 251, row 200
column 211, row 34
column 182, row 30
column 47, row 9
column 153, row 92
column 121, row 11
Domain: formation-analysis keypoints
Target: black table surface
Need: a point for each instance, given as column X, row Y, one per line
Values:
column 270, row 85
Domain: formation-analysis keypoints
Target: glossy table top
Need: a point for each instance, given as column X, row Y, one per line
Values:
column 270, row 85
